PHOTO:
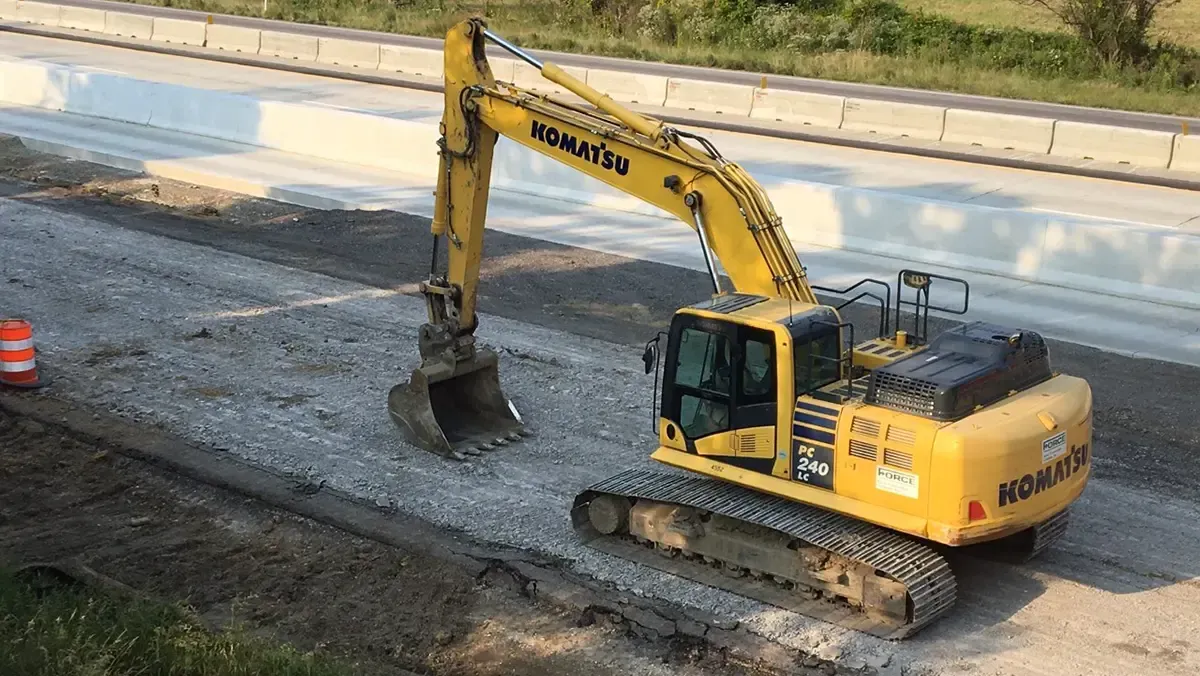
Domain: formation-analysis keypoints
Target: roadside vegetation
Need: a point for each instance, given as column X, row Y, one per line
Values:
column 1124, row 54
column 75, row 631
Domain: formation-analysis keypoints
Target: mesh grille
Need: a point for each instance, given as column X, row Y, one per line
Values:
column 962, row 370
column 734, row 302
column 897, row 459
column 904, row 393
column 864, row 450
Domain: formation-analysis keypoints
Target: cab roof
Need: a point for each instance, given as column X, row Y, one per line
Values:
column 796, row 315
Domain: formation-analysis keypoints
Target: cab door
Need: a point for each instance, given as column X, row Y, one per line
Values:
column 720, row 391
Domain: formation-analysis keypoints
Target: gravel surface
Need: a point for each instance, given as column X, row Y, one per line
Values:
column 290, row 368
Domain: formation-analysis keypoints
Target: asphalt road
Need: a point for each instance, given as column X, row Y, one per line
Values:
column 983, row 103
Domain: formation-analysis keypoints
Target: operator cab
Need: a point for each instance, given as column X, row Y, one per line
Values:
column 745, row 364
column 723, row 371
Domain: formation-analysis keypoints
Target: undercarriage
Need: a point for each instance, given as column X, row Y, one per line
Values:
column 791, row 555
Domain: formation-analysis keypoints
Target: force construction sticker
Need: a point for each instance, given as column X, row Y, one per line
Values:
column 895, row 481
column 1054, row 447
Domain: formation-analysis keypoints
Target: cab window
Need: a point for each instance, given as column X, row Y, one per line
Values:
column 758, row 374
column 724, row 377
column 703, row 361
column 703, row 364
column 817, row 362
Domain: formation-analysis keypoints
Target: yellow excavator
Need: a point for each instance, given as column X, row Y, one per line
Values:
column 823, row 475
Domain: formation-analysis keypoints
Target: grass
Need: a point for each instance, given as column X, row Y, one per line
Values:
column 1179, row 24
column 987, row 47
column 67, row 631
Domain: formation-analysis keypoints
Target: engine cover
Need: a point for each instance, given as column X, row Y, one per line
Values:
column 972, row 365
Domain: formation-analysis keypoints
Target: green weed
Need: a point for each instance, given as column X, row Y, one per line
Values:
column 874, row 41
column 68, row 631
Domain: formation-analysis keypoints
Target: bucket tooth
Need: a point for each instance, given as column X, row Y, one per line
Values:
column 449, row 410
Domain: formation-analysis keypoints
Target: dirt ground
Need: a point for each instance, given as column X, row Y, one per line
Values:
column 382, row 608
column 370, row 247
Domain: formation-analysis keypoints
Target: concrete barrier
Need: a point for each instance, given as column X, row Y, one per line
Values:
column 709, row 97
column 41, row 13
column 348, row 53
column 128, row 25
column 990, row 130
column 82, row 18
column 111, row 97
column 289, row 46
column 233, row 38
column 33, row 84
column 306, row 129
column 1186, row 154
column 1129, row 259
column 345, row 136
column 822, row 110
column 1076, row 252
column 178, row 31
column 1112, row 144
column 56, row 88
column 220, row 115
column 411, row 60
column 997, row 241
column 528, row 77
column 1124, row 259
column 650, row 90
column 899, row 119
column 1097, row 255
column 995, row 130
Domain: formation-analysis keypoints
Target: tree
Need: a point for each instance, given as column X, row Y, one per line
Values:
column 1117, row 30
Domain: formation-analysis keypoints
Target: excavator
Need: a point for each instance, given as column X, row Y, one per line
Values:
column 804, row 469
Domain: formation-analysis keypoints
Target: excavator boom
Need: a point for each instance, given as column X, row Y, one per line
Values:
column 826, row 463
column 453, row 403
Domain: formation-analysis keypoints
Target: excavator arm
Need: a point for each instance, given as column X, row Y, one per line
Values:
column 453, row 402
column 815, row 495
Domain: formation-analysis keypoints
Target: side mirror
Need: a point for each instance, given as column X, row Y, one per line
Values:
column 649, row 357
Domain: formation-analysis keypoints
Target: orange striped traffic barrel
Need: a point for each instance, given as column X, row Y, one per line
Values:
column 18, row 367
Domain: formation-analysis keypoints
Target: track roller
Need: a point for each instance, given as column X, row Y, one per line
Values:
column 787, row 554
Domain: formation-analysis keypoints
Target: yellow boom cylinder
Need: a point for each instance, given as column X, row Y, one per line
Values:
column 638, row 123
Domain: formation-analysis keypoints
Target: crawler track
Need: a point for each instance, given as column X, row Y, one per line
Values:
column 928, row 583
column 1047, row 533
column 1029, row 544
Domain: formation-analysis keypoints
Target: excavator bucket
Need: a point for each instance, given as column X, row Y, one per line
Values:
column 457, row 411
